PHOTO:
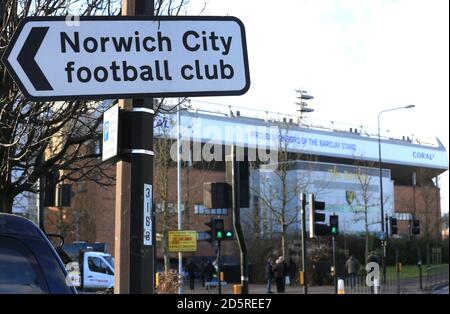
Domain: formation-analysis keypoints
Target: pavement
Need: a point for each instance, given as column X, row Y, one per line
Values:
column 406, row 287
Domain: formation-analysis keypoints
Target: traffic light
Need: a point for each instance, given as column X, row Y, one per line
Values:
column 334, row 224
column 217, row 195
column 316, row 219
column 219, row 232
column 393, row 224
column 229, row 235
column 210, row 231
column 415, row 228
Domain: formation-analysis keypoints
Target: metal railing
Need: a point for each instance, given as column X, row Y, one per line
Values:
column 435, row 276
column 394, row 284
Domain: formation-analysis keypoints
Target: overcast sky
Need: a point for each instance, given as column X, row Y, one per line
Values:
column 356, row 57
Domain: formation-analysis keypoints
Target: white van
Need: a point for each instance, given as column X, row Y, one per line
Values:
column 97, row 270
column 93, row 271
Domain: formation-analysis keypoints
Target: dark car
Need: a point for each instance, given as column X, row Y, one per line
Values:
column 29, row 263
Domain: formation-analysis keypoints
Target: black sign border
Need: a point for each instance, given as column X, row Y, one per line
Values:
column 30, row 97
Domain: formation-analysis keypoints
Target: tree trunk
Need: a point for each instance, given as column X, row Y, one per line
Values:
column 366, row 246
column 283, row 240
column 6, row 203
column 166, row 251
column 283, row 245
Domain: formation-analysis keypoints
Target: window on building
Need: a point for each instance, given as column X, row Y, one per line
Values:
column 81, row 186
column 199, row 209
column 201, row 236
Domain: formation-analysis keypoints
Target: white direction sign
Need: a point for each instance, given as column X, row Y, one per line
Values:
column 123, row 57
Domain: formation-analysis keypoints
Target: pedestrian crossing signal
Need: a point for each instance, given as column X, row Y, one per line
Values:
column 393, row 225
column 334, row 224
column 218, row 229
column 415, row 229
column 228, row 235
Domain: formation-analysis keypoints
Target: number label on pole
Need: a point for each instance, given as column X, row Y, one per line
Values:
column 148, row 214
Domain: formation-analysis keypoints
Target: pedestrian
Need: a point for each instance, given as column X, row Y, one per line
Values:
column 352, row 266
column 269, row 274
column 210, row 270
column 202, row 272
column 292, row 271
column 372, row 258
column 280, row 271
column 191, row 269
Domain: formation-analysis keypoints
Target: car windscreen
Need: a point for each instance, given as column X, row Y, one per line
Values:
column 19, row 270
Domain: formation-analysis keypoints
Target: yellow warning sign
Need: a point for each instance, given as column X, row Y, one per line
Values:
column 183, row 241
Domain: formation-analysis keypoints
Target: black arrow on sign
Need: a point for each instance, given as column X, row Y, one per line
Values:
column 27, row 61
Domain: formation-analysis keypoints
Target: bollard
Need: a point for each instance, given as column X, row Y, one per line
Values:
column 302, row 278
column 157, row 280
column 236, row 289
column 222, row 276
column 341, row 288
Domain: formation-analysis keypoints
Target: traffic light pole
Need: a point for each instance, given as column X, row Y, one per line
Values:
column 303, row 212
column 334, row 264
column 397, row 268
column 219, row 242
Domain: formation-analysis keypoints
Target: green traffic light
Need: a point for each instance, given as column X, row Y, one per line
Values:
column 333, row 230
column 219, row 234
column 228, row 234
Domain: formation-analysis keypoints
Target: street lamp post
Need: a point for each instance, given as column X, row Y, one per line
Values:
column 381, row 186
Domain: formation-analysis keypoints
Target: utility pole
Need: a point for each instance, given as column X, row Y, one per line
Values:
column 237, row 221
column 134, row 230
column 303, row 212
column 180, row 217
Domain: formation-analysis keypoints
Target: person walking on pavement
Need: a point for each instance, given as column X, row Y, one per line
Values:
column 190, row 269
column 292, row 271
column 352, row 266
column 202, row 273
column 372, row 258
column 210, row 270
column 269, row 275
column 280, row 271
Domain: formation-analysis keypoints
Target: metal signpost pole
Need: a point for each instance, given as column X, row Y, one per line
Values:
column 134, row 187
